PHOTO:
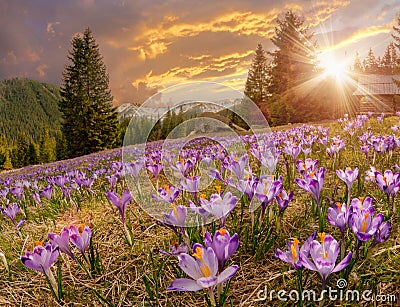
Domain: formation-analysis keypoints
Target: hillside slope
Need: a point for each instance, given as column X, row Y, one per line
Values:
column 28, row 106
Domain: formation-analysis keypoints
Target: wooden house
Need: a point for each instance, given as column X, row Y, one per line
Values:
column 377, row 93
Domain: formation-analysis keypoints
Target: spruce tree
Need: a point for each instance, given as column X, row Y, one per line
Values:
column 357, row 67
column 371, row 63
column 19, row 156
column 293, row 64
column 47, row 147
column 32, row 154
column 257, row 81
column 7, row 163
column 90, row 122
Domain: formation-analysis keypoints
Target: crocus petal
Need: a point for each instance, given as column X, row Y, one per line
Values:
column 307, row 262
column 184, row 284
column 207, row 282
column 227, row 273
column 342, row 264
column 189, row 266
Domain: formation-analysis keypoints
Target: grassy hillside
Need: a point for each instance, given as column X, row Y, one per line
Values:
column 28, row 106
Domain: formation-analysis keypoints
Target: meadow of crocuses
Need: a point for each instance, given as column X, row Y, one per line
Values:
column 305, row 207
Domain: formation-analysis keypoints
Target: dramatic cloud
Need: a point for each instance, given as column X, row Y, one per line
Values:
column 149, row 45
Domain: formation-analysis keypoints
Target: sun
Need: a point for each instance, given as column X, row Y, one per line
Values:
column 332, row 67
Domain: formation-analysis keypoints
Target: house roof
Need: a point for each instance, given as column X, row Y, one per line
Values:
column 377, row 85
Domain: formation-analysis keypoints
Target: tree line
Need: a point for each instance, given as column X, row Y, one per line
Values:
column 285, row 83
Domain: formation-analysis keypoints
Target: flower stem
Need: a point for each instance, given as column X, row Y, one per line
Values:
column 211, row 295
column 53, row 282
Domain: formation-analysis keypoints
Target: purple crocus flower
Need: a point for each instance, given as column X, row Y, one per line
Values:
column 383, row 232
column 11, row 212
column 293, row 150
column 313, row 183
column 183, row 167
column 307, row 166
column 155, row 169
column 18, row 192
column 200, row 210
column 348, row 176
column 120, row 202
column 238, row 166
column 361, row 204
column 223, row 245
column 247, row 186
column 266, row 191
column 191, row 184
column 62, row 241
column 37, row 199
column 176, row 216
column 133, row 168
column 202, row 269
column 42, row 258
column 176, row 249
column 47, row 192
column 338, row 216
column 167, row 194
column 292, row 255
column 283, row 199
column 4, row 192
column 80, row 237
column 324, row 256
column 219, row 206
column 388, row 182
column 364, row 224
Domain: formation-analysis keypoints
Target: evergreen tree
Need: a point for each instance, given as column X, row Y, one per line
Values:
column 371, row 63
column 357, row 66
column 293, row 64
column 90, row 122
column 3, row 150
column 47, row 147
column 257, row 81
column 7, row 163
column 395, row 55
column 32, row 154
column 60, row 150
column 19, row 156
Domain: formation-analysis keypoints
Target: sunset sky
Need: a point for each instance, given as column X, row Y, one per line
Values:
column 162, row 43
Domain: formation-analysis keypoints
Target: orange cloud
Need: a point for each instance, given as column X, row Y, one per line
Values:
column 155, row 40
column 362, row 34
column 41, row 70
column 215, row 68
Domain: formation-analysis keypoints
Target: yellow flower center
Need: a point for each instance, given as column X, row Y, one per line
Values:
column 339, row 205
column 236, row 159
column 167, row 189
column 39, row 243
column 295, row 243
column 173, row 207
column 222, row 231
column 204, row 268
column 203, row 196
column 364, row 224
column 81, row 228
column 218, row 188
column 324, row 253
column 312, row 175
